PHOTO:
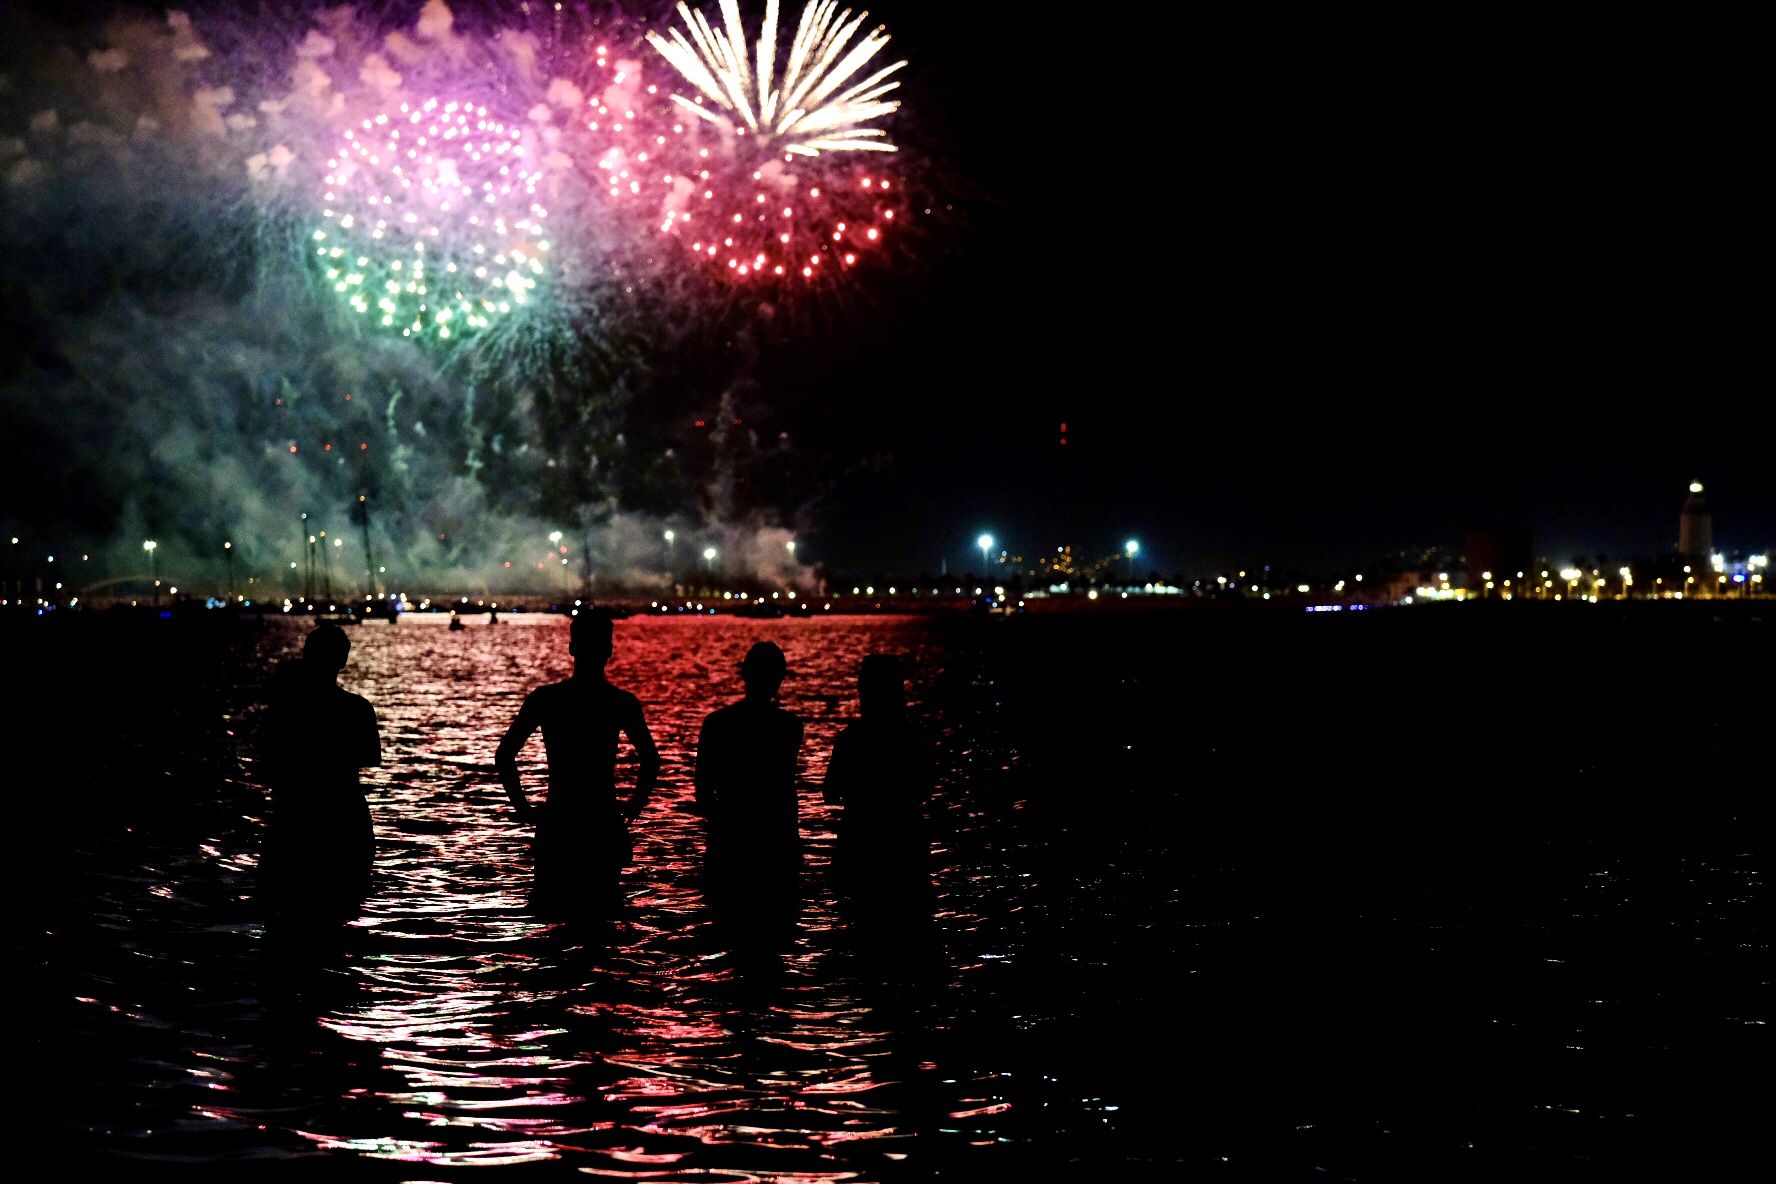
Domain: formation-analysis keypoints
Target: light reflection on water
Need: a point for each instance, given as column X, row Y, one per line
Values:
column 451, row 1024
column 1189, row 914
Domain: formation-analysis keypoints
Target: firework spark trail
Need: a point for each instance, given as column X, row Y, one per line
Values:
column 804, row 117
column 421, row 190
column 469, row 178
column 785, row 189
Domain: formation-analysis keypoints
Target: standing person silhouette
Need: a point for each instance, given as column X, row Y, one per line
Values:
column 746, row 787
column 582, row 831
column 879, row 776
column 320, row 843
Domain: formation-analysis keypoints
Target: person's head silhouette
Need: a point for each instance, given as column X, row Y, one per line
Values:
column 881, row 688
column 590, row 638
column 325, row 649
column 762, row 670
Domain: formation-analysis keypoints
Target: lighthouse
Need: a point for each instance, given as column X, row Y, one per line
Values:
column 1695, row 528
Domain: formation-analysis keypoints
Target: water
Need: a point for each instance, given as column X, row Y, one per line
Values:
column 1226, row 898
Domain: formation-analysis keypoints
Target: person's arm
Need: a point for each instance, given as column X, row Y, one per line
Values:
column 838, row 772
column 703, row 773
column 506, row 759
column 924, row 767
column 648, row 753
column 795, row 764
column 369, row 738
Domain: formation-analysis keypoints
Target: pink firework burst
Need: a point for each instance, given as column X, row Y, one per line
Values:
column 751, row 185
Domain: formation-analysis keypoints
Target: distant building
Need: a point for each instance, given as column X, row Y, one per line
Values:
column 1695, row 527
column 1497, row 554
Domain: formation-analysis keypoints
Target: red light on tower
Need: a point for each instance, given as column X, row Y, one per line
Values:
column 1063, row 434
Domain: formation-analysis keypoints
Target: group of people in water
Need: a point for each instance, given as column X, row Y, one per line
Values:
column 320, row 844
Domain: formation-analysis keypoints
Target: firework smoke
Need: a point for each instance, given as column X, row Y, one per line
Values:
column 210, row 369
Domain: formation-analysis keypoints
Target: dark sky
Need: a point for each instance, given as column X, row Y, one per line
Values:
column 1307, row 290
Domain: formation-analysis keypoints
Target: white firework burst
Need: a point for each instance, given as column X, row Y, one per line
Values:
column 809, row 113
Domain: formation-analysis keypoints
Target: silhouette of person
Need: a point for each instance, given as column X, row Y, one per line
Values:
column 582, row 831
column 746, row 788
column 879, row 776
column 320, row 844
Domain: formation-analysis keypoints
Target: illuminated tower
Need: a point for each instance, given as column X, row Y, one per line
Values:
column 1695, row 529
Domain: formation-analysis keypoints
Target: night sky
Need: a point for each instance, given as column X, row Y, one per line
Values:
column 1306, row 290
column 1303, row 289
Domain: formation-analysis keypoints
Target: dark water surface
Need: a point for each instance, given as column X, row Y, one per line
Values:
column 1410, row 898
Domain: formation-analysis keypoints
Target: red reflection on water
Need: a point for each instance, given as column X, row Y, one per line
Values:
column 486, row 1016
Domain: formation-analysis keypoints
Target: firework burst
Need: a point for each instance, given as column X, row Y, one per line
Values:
column 791, row 188
column 808, row 114
column 433, row 223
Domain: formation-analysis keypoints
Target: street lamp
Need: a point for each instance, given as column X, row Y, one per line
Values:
column 228, row 553
column 985, row 543
column 1131, row 548
column 709, row 554
column 790, row 547
column 149, row 546
column 555, row 537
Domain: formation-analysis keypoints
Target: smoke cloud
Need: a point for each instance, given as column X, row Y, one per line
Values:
column 188, row 376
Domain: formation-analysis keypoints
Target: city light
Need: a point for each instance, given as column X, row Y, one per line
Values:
column 985, row 543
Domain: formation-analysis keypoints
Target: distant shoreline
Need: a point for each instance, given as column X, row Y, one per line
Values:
column 475, row 614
